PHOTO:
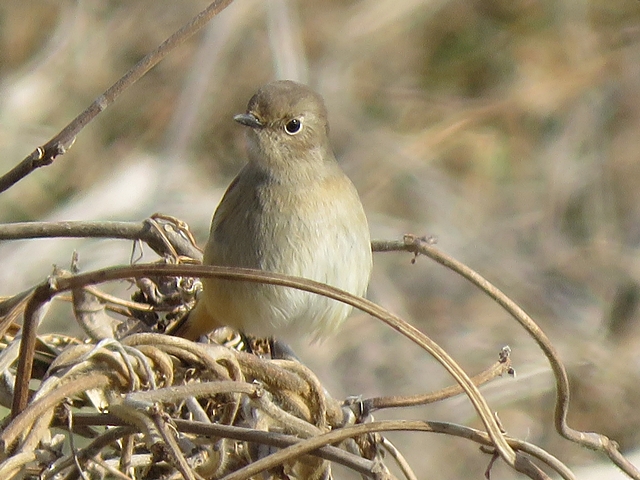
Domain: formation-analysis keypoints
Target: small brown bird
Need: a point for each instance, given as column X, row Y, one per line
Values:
column 290, row 210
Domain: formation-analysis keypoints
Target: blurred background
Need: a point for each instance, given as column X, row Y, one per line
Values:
column 507, row 129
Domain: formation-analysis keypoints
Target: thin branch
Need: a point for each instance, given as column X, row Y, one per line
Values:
column 402, row 463
column 377, row 403
column 22, row 423
column 58, row 145
column 72, row 445
column 522, row 464
column 280, row 440
column 324, row 450
column 157, row 231
column 33, row 314
column 114, row 300
column 105, row 439
column 592, row 440
column 161, row 424
column 12, row 465
column 174, row 394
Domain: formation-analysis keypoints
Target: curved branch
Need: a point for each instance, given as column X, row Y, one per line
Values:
column 498, row 369
column 522, row 463
column 337, row 435
column 592, row 440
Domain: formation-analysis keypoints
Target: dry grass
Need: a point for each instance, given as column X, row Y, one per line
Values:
column 508, row 129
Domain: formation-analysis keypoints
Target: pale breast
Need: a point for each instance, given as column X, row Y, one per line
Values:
column 318, row 232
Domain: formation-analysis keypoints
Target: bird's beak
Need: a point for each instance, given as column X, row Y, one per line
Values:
column 248, row 119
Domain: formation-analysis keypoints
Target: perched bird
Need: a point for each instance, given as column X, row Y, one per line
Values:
column 290, row 210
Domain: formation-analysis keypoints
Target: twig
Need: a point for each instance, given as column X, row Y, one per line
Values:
column 399, row 458
column 33, row 314
column 11, row 309
column 72, row 443
column 279, row 440
column 58, row 145
column 170, row 443
column 522, row 464
column 110, row 470
column 178, row 392
column 154, row 231
column 377, row 403
column 107, row 438
column 114, row 300
column 13, row 464
column 592, row 440
column 22, row 422
column 274, row 439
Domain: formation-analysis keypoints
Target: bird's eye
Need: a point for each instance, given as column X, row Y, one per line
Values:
column 293, row 126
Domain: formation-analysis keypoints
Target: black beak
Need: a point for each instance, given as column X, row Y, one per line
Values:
column 248, row 119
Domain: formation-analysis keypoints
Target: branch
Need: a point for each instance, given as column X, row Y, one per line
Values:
column 58, row 145
column 522, row 463
column 502, row 366
column 592, row 440
column 325, row 450
column 164, row 234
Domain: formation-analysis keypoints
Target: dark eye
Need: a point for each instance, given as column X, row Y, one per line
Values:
column 293, row 126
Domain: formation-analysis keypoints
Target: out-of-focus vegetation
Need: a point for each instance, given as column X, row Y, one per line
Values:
column 508, row 129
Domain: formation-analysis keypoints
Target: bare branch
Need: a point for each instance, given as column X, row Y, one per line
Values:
column 370, row 405
column 592, row 440
column 162, row 233
column 58, row 145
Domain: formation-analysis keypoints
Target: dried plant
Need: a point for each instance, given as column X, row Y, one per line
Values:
column 136, row 403
column 191, row 407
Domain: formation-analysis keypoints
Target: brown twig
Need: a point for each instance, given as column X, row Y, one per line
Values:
column 592, row 440
column 10, row 467
column 377, row 403
column 106, row 438
column 522, row 464
column 402, row 463
column 114, row 300
column 32, row 316
column 58, row 145
column 324, row 450
column 21, row 423
column 155, row 231
column 163, row 427
column 274, row 439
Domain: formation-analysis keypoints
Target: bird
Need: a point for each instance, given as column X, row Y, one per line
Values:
column 291, row 210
